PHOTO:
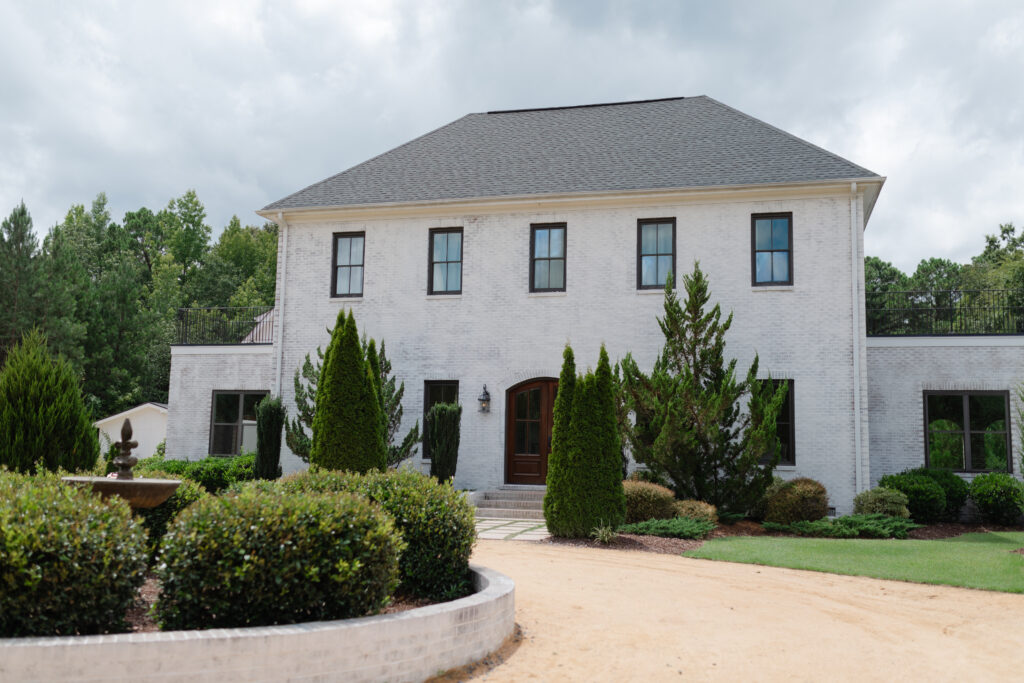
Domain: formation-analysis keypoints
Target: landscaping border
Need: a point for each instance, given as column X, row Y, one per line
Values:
column 410, row 645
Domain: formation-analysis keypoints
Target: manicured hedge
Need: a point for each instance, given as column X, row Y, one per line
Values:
column 926, row 499
column 262, row 558
column 436, row 522
column 801, row 499
column 213, row 473
column 645, row 501
column 157, row 519
column 952, row 485
column 70, row 563
column 999, row 497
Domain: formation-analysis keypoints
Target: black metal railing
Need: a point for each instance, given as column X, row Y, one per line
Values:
column 212, row 326
column 945, row 313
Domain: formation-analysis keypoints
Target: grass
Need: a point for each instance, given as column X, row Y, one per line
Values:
column 984, row 560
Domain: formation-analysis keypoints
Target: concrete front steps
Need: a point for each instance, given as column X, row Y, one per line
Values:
column 510, row 502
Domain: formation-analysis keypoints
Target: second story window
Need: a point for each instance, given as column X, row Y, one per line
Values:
column 772, row 248
column 445, row 274
column 347, row 270
column 547, row 257
column 656, row 252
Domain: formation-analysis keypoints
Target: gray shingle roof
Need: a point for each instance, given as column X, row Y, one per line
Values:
column 657, row 144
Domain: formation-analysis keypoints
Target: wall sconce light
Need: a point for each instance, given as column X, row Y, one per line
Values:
column 485, row 401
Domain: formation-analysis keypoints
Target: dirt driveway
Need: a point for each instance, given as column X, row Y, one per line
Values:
column 610, row 615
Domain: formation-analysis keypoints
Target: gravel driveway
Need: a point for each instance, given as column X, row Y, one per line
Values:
column 612, row 615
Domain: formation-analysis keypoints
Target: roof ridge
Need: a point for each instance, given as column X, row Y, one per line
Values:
column 799, row 139
column 364, row 163
column 586, row 106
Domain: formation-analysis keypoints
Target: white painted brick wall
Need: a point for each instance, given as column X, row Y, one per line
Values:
column 901, row 370
column 497, row 333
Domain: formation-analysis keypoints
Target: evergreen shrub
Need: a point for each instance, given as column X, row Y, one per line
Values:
column 881, row 501
column 44, row 423
column 952, row 485
column 648, row 501
column 70, row 563
column 214, row 473
column 270, row 419
column 800, row 499
column 696, row 509
column 852, row 526
column 156, row 519
column 925, row 498
column 761, row 506
column 648, row 476
column 437, row 523
column 999, row 497
column 264, row 558
column 678, row 527
column 441, row 432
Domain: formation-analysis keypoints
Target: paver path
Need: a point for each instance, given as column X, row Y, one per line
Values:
column 511, row 530
column 610, row 615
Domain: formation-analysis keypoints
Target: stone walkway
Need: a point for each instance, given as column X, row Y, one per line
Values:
column 511, row 530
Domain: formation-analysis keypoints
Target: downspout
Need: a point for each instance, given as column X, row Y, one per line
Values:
column 282, row 267
column 858, row 332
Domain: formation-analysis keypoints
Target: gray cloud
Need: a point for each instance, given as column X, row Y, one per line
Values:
column 248, row 101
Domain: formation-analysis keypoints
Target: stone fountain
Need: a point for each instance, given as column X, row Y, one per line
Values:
column 140, row 493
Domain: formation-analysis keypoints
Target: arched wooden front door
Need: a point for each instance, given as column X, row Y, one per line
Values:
column 529, row 409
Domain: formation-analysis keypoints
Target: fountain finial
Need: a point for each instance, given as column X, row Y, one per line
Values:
column 125, row 461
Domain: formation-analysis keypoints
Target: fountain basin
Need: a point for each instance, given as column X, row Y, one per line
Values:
column 140, row 493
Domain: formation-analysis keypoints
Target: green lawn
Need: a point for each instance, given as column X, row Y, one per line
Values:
column 972, row 560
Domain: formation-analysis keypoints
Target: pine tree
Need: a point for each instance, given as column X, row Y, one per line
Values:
column 43, row 421
column 20, row 292
column 347, row 433
column 689, row 424
column 306, row 379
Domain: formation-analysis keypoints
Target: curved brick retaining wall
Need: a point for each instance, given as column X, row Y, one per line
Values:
column 406, row 646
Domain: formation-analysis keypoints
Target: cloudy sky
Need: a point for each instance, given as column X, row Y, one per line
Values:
column 247, row 101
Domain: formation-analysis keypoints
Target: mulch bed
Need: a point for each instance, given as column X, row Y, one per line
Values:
column 141, row 621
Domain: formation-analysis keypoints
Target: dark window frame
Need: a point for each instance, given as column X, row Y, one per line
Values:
column 965, row 394
column 238, row 423
column 427, row 384
column 534, row 227
column 754, row 250
column 431, row 261
column 639, row 251
column 334, row 265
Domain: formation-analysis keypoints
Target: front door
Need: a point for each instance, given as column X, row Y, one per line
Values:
column 530, row 407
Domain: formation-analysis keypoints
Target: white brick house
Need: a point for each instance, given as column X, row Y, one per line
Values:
column 478, row 250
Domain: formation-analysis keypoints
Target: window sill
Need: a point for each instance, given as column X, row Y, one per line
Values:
column 544, row 294
column 343, row 299
column 773, row 288
column 650, row 292
column 785, row 468
column 442, row 297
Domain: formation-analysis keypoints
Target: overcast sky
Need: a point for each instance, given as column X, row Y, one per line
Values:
column 247, row 102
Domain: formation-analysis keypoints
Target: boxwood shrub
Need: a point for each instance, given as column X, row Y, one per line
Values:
column 881, row 501
column 70, row 563
column 952, row 485
column 761, row 506
column 645, row 500
column 999, row 497
column 801, row 499
column 262, row 558
column 696, row 509
column 925, row 498
column 213, row 473
column 157, row 519
column 436, row 521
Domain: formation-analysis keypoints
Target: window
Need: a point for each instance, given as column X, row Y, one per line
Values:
column 437, row 391
column 347, row 275
column 233, row 423
column 445, row 273
column 967, row 431
column 547, row 258
column 784, row 425
column 655, row 252
column 771, row 248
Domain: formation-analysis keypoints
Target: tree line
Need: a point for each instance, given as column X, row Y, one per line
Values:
column 106, row 294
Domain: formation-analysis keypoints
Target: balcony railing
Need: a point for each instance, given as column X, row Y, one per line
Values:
column 214, row 326
column 945, row 313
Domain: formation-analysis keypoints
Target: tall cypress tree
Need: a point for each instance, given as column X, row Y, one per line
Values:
column 559, row 502
column 347, row 433
column 44, row 423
